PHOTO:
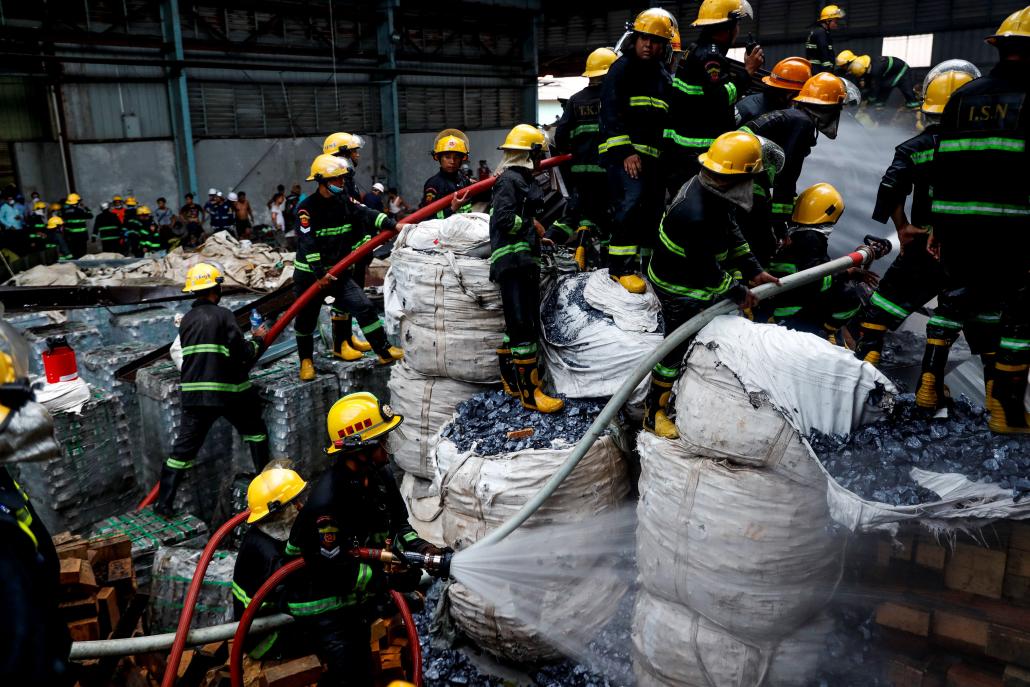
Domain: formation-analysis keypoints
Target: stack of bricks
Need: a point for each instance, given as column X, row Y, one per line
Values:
column 97, row 583
column 953, row 613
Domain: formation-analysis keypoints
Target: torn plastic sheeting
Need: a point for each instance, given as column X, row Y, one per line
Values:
column 60, row 274
column 171, row 577
column 632, row 312
column 466, row 233
column 422, row 497
column 64, row 397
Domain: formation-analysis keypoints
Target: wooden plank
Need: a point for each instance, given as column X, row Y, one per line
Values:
column 905, row 618
column 1016, row 677
column 955, row 629
column 63, row 538
column 931, row 555
column 1020, row 536
column 1018, row 563
column 1009, row 644
column 73, row 550
column 976, row 570
column 902, row 671
column 77, row 573
column 109, row 614
column 84, row 630
column 1017, row 588
column 299, row 672
column 107, row 549
column 82, row 608
column 965, row 675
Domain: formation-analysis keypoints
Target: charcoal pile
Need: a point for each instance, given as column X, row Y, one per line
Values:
column 485, row 420
column 876, row 461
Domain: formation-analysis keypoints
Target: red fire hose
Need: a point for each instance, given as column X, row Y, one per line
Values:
column 337, row 269
column 192, row 594
column 236, row 657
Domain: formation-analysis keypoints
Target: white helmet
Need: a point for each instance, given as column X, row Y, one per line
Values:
column 220, row 194
column 212, row 192
column 233, row 196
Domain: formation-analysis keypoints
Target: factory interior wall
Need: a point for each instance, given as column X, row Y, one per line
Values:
column 38, row 168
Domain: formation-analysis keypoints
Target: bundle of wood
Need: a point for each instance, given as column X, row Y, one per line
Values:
column 97, row 583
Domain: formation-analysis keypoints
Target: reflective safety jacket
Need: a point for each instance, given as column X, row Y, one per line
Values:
column 795, row 132
column 442, row 184
column 344, row 510
column 701, row 254
column 579, row 130
column 108, row 227
column 221, row 215
column 908, row 173
column 148, row 235
column 259, row 556
column 819, row 49
column 701, row 106
column 36, row 226
column 215, row 356
column 884, row 74
column 75, row 217
column 634, row 109
column 516, row 201
column 979, row 168
column 330, row 228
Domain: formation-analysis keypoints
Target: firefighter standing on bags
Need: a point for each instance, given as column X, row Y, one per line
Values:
column 216, row 359
column 76, row 232
column 979, row 184
column 450, row 150
column 702, row 257
column 819, row 46
column 330, row 226
column 578, row 132
column 514, row 258
column 108, row 228
column 915, row 276
column 272, row 499
column 354, row 503
column 34, row 641
column 634, row 112
column 881, row 76
column 705, row 90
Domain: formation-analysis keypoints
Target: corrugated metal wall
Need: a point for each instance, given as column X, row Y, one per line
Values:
column 24, row 113
column 98, row 111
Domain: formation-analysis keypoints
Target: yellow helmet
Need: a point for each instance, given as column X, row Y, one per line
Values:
column 400, row 683
column 142, row 210
column 15, row 390
column 335, row 142
column 39, row 205
column 655, row 22
column 357, row 418
column 734, row 152
column 130, row 202
column 55, row 206
column 831, row 12
column 116, row 199
column 823, row 89
column 201, row 277
column 818, row 204
column 451, row 141
column 860, row 65
column 271, row 490
column 524, row 137
column 54, row 222
column 600, row 60
column 1016, row 25
column 940, row 89
column 845, row 57
column 714, row 12
column 329, row 167
column 73, row 199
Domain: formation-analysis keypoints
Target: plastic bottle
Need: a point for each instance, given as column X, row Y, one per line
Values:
column 255, row 319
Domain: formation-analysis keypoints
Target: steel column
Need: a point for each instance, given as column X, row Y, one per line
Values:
column 178, row 98
column 531, row 70
column 388, row 100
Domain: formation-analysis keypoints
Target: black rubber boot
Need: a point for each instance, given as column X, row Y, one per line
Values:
column 1005, row 400
column 869, row 346
column 509, row 377
column 931, row 393
column 168, row 486
column 531, row 395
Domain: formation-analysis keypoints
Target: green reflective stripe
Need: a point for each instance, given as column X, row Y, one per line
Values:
column 647, row 101
column 362, row 241
column 667, row 372
column 301, row 266
column 520, row 247
column 1015, row 344
column 747, row 129
column 623, row 250
column 292, row 550
column 313, row 257
column 264, row 646
column 731, row 92
column 696, row 294
column 409, row 536
column 380, row 218
column 582, row 169
column 369, row 328
column 811, row 46
column 980, row 208
column 646, row 150
column 255, row 438
column 688, row 88
column 787, row 311
column 901, row 73
column 846, row 314
column 614, row 142
column 240, row 594
column 759, row 190
column 205, row 348
column 215, row 386
column 585, row 129
column 720, row 257
column 307, row 608
column 782, row 208
column 561, row 226
column 922, row 157
column 524, row 350
column 741, row 250
column 74, row 230
column 893, row 308
column 1011, row 145
column 989, row 317
column 783, row 267
column 333, row 231
column 176, row 464
column 687, row 142
column 827, row 283
column 667, row 242
column 938, row 321
column 364, row 577
column 516, row 225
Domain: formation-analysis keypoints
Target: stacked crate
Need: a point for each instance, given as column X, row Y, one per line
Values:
column 148, row 531
column 152, row 326
column 97, row 582
column 98, row 366
column 171, row 577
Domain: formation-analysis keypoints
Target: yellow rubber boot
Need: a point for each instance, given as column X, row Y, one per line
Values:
column 393, row 354
column 869, row 347
column 530, row 393
column 307, row 370
column 633, row 283
column 359, row 345
column 656, row 418
column 509, row 378
column 931, row 394
column 1005, row 400
column 347, row 353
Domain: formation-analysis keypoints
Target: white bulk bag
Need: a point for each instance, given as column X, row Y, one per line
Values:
column 422, row 497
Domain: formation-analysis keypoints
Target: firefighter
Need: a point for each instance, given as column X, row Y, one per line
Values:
column 273, row 500
column 826, row 306
column 700, row 253
column 330, row 226
column 34, row 641
column 36, row 228
column 578, row 132
column 634, row 112
column 819, row 46
column 55, row 237
column 450, row 150
column 705, row 90
column 515, row 250
column 978, row 185
column 844, row 60
column 883, row 76
column 130, row 209
column 784, row 82
column 76, row 233
column 108, row 228
column 216, row 359
column 817, row 109
column 150, row 240
column 347, row 146
column 118, row 208
column 915, row 276
column 354, row 503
